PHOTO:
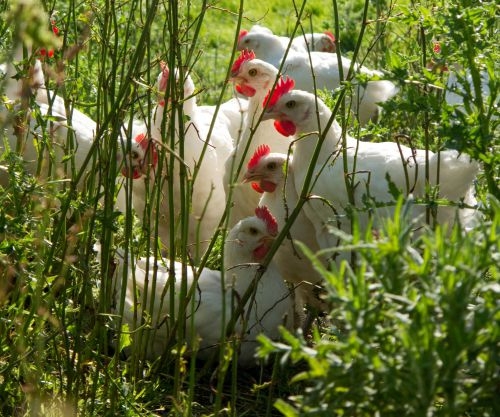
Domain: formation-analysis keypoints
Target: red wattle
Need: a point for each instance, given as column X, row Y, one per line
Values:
column 256, row 187
column 134, row 173
column 285, row 127
column 245, row 90
column 260, row 252
column 268, row 186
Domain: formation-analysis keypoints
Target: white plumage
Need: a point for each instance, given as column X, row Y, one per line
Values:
column 213, row 298
column 229, row 120
column 266, row 45
column 15, row 89
column 226, row 124
column 370, row 167
column 320, row 70
column 252, row 78
column 266, row 170
column 190, row 142
column 320, row 42
column 70, row 133
column 325, row 74
column 459, row 87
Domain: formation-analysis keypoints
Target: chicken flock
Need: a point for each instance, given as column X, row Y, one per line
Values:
column 269, row 159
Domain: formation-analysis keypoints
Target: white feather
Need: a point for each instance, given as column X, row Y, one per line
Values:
column 213, row 299
column 319, row 70
column 369, row 166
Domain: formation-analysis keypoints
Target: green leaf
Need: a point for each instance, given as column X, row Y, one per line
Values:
column 285, row 408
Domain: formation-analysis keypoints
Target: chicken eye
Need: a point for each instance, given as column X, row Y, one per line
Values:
column 135, row 155
column 271, row 166
column 253, row 231
column 252, row 72
column 291, row 104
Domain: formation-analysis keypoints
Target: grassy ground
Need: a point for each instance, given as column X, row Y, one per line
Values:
column 413, row 328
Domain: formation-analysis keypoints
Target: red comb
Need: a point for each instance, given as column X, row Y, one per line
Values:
column 242, row 33
column 245, row 55
column 162, row 85
column 330, row 35
column 146, row 144
column 55, row 29
column 141, row 140
column 256, row 187
column 284, row 85
column 261, row 151
column 263, row 213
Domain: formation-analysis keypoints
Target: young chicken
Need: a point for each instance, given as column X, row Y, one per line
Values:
column 319, row 71
column 268, row 173
column 374, row 170
column 226, row 124
column 214, row 298
column 53, row 140
column 266, row 45
column 252, row 78
column 190, row 152
column 319, row 42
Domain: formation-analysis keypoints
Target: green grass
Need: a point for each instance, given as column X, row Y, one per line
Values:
column 413, row 328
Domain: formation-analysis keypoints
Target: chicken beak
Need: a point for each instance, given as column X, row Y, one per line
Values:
column 250, row 176
column 131, row 172
column 270, row 113
column 266, row 241
column 235, row 78
column 264, row 244
column 240, row 85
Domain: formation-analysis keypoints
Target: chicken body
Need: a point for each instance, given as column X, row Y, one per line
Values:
column 253, row 78
column 457, row 89
column 65, row 136
column 230, row 118
column 372, row 168
column 279, row 194
column 214, row 298
column 319, row 42
column 227, row 123
column 319, row 71
column 266, row 45
column 191, row 168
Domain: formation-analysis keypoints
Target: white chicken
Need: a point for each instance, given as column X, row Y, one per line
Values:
column 266, row 45
column 320, row 42
column 457, row 89
column 227, row 124
column 460, row 84
column 229, row 120
column 252, row 78
column 185, row 146
column 267, row 170
column 214, row 298
column 319, row 71
column 64, row 138
column 372, row 169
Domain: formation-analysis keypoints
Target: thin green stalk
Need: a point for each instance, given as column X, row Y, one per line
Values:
column 427, row 139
